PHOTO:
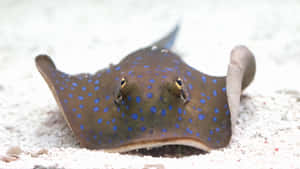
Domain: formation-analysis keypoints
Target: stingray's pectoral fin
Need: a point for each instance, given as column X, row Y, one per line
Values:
column 53, row 78
column 240, row 74
column 44, row 62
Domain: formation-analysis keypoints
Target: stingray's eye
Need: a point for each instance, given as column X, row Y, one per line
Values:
column 179, row 83
column 120, row 92
column 123, row 82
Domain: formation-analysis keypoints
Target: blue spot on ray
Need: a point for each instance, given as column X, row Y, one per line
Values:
column 211, row 132
column 227, row 112
column 169, row 69
column 80, row 97
column 105, row 109
column 153, row 109
column 179, row 110
column 129, row 129
column 74, row 109
column 107, row 97
column 177, row 125
column 74, row 84
column 164, row 130
column 189, row 131
column 216, row 110
column 70, row 95
column 151, row 80
column 140, row 76
column 134, row 116
column 99, row 120
column 203, row 79
column 217, row 129
column 190, row 86
column 149, row 87
column 143, row 128
column 97, row 100
column 79, row 115
column 89, row 94
column 189, row 73
column 96, row 88
column 138, row 99
column 83, row 88
column 170, row 107
column 146, row 66
column 139, row 58
column 96, row 109
column 163, row 112
column 149, row 95
column 115, row 128
column 81, row 106
column 118, row 68
column 214, row 80
column 224, row 89
column 202, row 101
column 201, row 116
column 96, row 82
column 214, row 119
column 81, row 127
column 142, row 118
column 215, row 93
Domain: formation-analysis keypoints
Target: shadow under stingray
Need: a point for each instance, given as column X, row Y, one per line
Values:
column 174, row 151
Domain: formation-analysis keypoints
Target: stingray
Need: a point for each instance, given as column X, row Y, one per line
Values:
column 151, row 98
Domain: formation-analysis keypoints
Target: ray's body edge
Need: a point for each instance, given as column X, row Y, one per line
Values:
column 159, row 143
column 43, row 58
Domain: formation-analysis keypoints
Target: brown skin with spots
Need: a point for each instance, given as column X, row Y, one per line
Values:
column 150, row 127
column 151, row 99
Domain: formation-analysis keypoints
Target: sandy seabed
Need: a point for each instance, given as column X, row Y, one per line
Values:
column 89, row 35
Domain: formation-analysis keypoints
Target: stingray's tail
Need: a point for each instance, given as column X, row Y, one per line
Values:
column 168, row 41
column 240, row 74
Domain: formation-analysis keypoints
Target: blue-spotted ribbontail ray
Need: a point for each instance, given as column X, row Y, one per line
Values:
column 151, row 98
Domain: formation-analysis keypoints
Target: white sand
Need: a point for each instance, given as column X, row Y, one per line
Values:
column 85, row 37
